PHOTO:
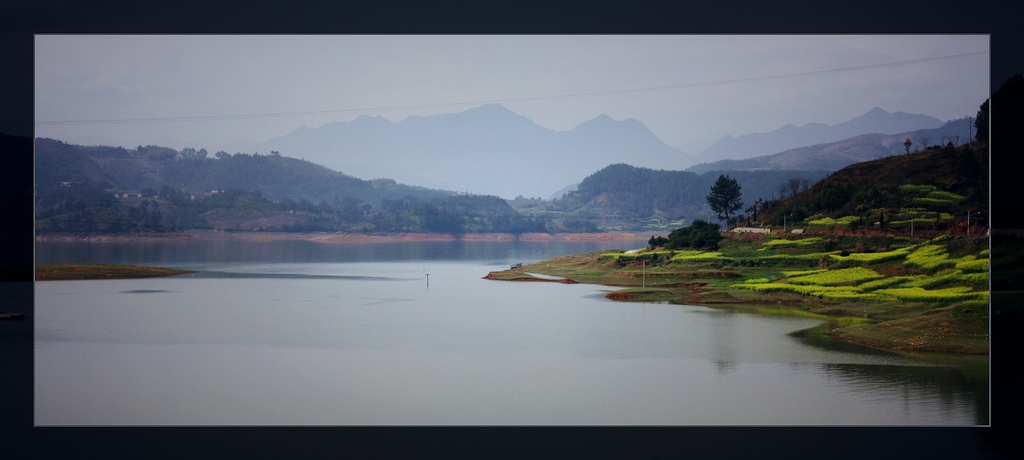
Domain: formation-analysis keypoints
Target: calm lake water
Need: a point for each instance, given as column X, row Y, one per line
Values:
column 302, row 333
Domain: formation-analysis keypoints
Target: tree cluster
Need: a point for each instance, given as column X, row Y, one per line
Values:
column 699, row 235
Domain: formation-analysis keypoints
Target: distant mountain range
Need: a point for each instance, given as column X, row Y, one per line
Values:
column 491, row 150
column 485, row 150
column 837, row 155
column 876, row 121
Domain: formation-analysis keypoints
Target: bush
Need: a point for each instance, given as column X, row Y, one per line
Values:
column 656, row 241
column 699, row 234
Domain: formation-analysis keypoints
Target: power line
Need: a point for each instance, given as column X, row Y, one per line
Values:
column 505, row 101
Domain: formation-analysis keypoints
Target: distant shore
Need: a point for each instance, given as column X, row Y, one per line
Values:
column 66, row 272
column 326, row 237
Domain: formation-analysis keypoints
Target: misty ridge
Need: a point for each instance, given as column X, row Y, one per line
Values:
column 492, row 150
column 486, row 150
column 875, row 121
column 450, row 173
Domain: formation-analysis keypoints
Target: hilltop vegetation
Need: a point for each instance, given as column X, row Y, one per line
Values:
column 196, row 172
column 930, row 191
column 624, row 197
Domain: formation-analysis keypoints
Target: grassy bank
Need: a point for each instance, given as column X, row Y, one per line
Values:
column 891, row 293
column 58, row 272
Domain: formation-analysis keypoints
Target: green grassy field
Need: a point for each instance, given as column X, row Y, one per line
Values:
column 927, row 295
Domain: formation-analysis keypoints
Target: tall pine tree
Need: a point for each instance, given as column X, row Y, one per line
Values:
column 725, row 196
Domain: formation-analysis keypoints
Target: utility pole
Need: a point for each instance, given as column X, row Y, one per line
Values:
column 969, row 221
column 644, row 271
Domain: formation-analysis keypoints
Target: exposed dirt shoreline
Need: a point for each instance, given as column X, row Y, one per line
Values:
column 65, row 272
column 512, row 275
column 323, row 237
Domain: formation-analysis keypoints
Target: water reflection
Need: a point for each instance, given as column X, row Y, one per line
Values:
column 381, row 301
column 724, row 368
column 723, row 343
column 318, row 339
column 950, row 390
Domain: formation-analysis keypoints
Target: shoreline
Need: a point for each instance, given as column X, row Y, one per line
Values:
column 325, row 237
column 904, row 327
column 82, row 272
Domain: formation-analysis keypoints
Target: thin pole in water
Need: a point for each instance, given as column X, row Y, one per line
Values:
column 428, row 279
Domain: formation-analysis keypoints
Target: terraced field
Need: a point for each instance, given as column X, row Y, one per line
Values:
column 887, row 292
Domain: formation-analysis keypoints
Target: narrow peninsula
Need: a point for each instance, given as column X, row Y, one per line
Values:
column 65, row 272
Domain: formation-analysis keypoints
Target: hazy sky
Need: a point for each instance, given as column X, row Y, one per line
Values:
column 684, row 88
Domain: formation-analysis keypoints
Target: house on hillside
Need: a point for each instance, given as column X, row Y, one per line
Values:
column 751, row 230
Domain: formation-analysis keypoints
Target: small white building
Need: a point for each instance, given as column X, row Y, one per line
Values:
column 751, row 230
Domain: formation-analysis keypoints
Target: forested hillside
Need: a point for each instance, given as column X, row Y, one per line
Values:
column 157, row 189
column 192, row 171
column 929, row 190
column 625, row 197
